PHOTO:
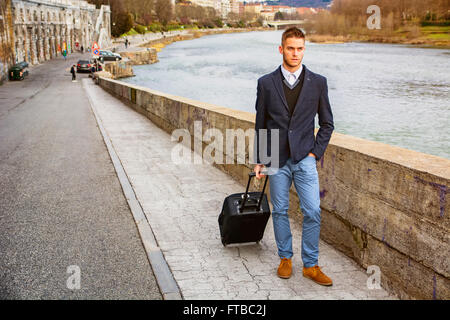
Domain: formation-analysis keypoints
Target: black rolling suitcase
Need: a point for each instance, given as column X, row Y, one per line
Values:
column 244, row 216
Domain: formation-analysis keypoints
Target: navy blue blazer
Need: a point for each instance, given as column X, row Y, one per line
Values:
column 296, row 133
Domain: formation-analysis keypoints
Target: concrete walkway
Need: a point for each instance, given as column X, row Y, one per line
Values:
column 140, row 39
column 182, row 204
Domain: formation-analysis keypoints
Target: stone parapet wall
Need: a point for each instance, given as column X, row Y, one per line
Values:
column 381, row 205
column 124, row 68
column 119, row 69
column 145, row 56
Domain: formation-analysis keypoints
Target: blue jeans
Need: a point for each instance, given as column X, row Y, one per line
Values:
column 306, row 182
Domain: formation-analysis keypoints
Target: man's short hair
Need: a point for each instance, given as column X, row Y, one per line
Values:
column 292, row 32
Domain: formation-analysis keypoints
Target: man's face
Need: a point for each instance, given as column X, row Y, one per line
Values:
column 292, row 51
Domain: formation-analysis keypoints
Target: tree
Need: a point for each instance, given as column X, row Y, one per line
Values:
column 279, row 16
column 140, row 9
column 232, row 16
column 164, row 11
column 123, row 22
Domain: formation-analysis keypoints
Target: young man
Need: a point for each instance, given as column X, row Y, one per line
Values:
column 288, row 100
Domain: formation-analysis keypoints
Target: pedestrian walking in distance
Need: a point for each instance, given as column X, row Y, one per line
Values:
column 73, row 71
column 288, row 100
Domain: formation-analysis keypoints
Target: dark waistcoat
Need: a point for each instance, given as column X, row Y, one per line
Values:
column 292, row 93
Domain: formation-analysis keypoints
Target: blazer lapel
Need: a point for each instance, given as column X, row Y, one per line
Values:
column 278, row 82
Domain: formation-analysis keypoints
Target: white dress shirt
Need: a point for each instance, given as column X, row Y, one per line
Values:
column 291, row 77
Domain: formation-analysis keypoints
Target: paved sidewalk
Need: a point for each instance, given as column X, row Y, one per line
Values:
column 61, row 203
column 182, row 204
column 139, row 39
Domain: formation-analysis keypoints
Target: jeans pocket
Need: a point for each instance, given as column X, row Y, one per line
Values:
column 310, row 162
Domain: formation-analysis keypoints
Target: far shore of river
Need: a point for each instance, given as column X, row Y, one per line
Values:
column 416, row 42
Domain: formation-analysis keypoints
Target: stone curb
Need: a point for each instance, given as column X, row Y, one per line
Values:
column 164, row 277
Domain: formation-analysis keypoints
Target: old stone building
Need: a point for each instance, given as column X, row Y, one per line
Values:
column 42, row 29
column 6, row 38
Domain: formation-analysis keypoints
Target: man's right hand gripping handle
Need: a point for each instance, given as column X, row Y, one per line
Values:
column 258, row 168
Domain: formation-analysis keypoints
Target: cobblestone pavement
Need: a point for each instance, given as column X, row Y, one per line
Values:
column 182, row 204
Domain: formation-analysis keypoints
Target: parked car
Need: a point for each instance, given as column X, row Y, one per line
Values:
column 18, row 71
column 109, row 56
column 84, row 66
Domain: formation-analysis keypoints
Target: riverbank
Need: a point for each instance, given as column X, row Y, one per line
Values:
column 427, row 37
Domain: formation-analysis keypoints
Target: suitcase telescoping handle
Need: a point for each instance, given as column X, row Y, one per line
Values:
column 244, row 200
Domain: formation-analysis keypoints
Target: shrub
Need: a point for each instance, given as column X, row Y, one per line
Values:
column 218, row 22
column 155, row 27
column 140, row 29
column 130, row 32
column 173, row 26
column 240, row 24
column 185, row 20
column 435, row 23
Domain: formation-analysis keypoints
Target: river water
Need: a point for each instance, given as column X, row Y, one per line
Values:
column 394, row 94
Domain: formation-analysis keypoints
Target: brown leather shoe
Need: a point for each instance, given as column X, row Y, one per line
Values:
column 316, row 275
column 285, row 268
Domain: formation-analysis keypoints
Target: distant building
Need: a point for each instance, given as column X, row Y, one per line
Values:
column 6, row 39
column 307, row 11
column 225, row 8
column 267, row 12
column 235, row 6
column 268, row 15
column 40, row 30
column 222, row 7
column 204, row 3
column 184, row 3
column 282, row 9
column 255, row 8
